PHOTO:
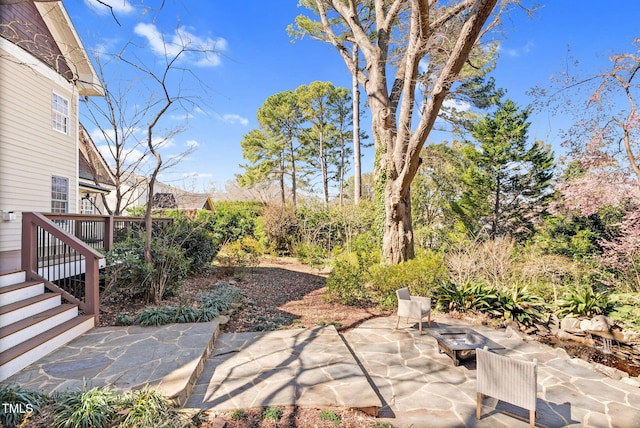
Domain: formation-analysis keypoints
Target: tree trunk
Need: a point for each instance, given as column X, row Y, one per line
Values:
column 281, row 179
column 293, row 171
column 357, row 173
column 397, row 240
column 496, row 210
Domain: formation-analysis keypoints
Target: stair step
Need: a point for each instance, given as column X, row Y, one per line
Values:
column 24, row 290
column 11, row 278
column 28, row 307
column 13, row 334
column 18, row 357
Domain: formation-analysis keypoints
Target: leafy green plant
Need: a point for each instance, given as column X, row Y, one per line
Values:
column 123, row 319
column 421, row 275
column 95, row 408
column 206, row 314
column 240, row 254
column 468, row 297
column 155, row 316
column 626, row 309
column 310, row 253
column 330, row 415
column 383, row 425
column 519, row 305
column 183, row 314
column 584, row 301
column 221, row 298
column 198, row 243
column 231, row 221
column 17, row 402
column 127, row 274
column 239, row 415
column 146, row 408
column 347, row 281
column 272, row 414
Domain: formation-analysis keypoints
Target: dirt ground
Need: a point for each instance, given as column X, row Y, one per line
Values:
column 279, row 293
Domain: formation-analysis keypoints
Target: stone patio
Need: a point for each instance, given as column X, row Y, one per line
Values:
column 397, row 373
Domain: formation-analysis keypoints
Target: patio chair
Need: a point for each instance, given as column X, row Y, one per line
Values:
column 413, row 307
column 507, row 379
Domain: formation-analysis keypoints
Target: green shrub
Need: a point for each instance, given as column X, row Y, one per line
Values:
column 584, row 301
column 310, row 253
column 239, row 415
column 520, row 305
column 123, row 319
column 278, row 227
column 146, row 408
column 346, row 282
column 184, row 314
column 221, row 298
column 626, row 308
column 25, row 400
column 155, row 316
column 128, row 275
column 199, row 245
column 231, row 221
column 206, row 314
column 95, row 408
column 330, row 415
column 240, row 254
column 421, row 274
column 272, row 414
column 468, row 297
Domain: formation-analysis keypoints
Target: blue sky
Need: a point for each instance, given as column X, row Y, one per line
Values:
column 257, row 59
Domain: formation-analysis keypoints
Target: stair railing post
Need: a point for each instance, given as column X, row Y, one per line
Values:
column 29, row 245
column 108, row 233
column 91, row 292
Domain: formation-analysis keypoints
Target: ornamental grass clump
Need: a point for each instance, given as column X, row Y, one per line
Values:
column 18, row 403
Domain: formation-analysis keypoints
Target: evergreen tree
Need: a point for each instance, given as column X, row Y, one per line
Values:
column 509, row 182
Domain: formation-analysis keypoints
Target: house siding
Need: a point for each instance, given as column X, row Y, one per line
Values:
column 31, row 151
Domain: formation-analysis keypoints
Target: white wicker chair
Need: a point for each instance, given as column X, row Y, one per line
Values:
column 413, row 307
column 507, row 379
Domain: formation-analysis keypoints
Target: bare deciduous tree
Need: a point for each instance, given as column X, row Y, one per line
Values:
column 401, row 37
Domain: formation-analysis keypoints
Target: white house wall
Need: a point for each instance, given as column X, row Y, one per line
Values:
column 31, row 151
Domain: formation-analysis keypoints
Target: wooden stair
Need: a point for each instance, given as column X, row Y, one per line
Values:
column 33, row 322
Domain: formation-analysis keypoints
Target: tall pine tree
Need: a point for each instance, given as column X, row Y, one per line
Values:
column 509, row 182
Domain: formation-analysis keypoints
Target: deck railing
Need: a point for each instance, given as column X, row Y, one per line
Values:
column 64, row 251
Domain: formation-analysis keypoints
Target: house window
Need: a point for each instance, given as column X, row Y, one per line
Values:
column 60, row 113
column 87, row 205
column 59, row 195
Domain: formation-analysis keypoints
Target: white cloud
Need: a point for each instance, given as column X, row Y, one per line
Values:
column 122, row 7
column 200, row 51
column 233, row 119
column 455, row 104
column 196, row 175
column 162, row 143
column 185, row 116
column 516, row 52
column 192, row 144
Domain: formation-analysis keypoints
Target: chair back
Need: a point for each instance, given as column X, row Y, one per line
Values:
column 507, row 379
column 403, row 294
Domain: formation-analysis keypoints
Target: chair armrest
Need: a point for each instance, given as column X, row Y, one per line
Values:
column 409, row 308
column 425, row 302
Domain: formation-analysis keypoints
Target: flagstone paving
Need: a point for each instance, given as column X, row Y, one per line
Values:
column 167, row 358
column 374, row 367
column 421, row 387
column 307, row 367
